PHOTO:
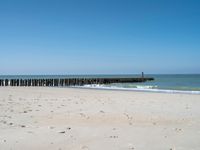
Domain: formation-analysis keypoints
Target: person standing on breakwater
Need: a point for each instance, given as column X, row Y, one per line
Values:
column 142, row 76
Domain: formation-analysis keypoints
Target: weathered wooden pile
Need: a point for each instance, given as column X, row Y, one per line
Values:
column 69, row 81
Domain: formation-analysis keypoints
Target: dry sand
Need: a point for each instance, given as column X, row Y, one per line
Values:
column 33, row 118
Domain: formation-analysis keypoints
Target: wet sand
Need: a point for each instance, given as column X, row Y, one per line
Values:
column 45, row 118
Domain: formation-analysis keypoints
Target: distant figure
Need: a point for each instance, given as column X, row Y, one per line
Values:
column 142, row 74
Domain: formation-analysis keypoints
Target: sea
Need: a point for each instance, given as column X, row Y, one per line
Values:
column 167, row 83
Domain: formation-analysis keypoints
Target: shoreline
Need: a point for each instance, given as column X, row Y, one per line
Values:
column 161, row 91
column 140, row 90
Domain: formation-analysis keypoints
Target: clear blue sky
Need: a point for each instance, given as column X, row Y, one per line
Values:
column 99, row 36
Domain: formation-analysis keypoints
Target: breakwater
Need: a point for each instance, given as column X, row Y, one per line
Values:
column 69, row 81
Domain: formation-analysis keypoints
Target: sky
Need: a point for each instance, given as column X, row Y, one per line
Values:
column 99, row 37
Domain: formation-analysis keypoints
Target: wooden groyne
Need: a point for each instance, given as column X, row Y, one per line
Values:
column 69, row 81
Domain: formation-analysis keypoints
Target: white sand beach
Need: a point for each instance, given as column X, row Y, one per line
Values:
column 41, row 118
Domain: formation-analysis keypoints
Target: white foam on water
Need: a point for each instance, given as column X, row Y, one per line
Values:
column 138, row 88
column 145, row 87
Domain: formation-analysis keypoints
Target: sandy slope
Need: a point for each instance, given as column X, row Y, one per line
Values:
column 81, row 119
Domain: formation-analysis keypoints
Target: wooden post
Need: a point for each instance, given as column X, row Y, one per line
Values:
column 6, row 82
column 13, row 82
column 39, row 80
column 17, row 82
column 21, row 82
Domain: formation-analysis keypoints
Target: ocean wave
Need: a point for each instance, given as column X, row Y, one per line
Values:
column 144, row 88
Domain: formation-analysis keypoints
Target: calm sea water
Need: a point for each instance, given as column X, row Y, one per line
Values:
column 169, row 83
column 181, row 83
column 186, row 82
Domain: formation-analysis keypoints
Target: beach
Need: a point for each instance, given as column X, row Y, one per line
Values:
column 52, row 118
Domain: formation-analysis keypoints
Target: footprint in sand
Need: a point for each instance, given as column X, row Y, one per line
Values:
column 62, row 132
column 101, row 111
column 178, row 129
column 69, row 128
column 154, row 123
column 51, row 127
column 130, row 146
column 10, row 123
column 29, row 132
column 85, row 148
column 114, row 136
column 82, row 115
